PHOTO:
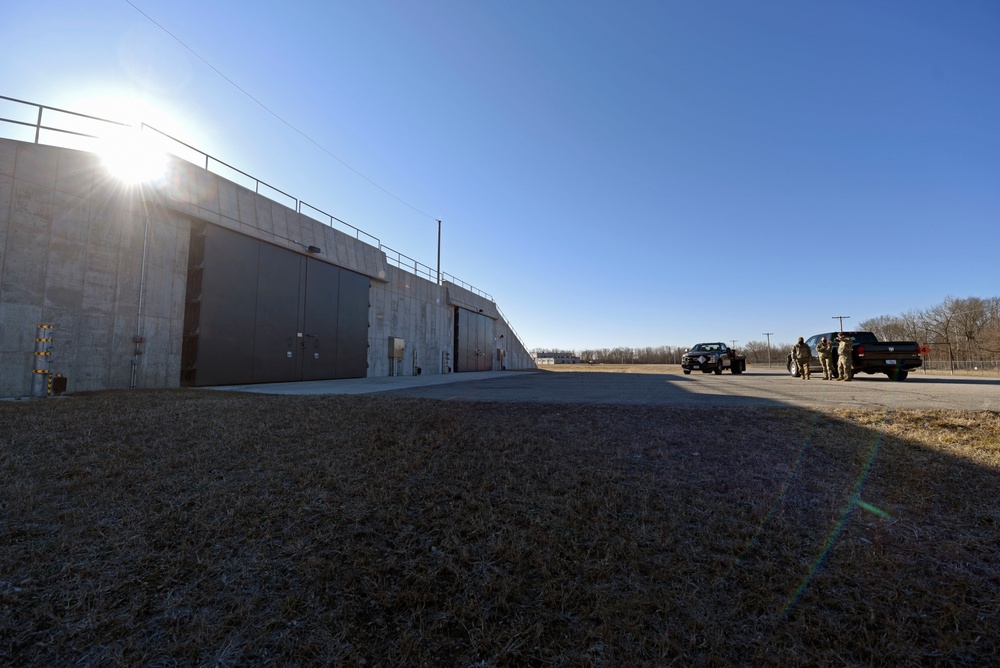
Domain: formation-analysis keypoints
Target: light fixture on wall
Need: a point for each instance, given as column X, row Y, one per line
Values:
column 309, row 249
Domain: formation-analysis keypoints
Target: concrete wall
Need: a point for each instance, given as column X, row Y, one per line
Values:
column 106, row 263
column 422, row 313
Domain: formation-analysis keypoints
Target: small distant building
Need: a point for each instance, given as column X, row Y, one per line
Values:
column 556, row 358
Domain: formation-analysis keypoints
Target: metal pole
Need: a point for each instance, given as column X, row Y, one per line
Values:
column 138, row 339
column 439, row 252
column 841, row 318
column 768, row 335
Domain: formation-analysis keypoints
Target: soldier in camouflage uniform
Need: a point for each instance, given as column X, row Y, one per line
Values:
column 845, row 347
column 825, row 352
column 800, row 351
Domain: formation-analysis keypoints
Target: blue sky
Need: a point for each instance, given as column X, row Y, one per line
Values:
column 613, row 174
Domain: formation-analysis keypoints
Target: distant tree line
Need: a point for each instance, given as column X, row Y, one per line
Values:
column 647, row 355
column 956, row 329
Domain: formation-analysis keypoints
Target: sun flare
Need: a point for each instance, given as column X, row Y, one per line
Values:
column 132, row 156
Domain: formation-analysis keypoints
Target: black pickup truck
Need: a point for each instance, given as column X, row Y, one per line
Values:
column 709, row 357
column 893, row 358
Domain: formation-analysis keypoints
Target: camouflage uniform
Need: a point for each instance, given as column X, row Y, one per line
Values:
column 825, row 352
column 800, row 351
column 845, row 369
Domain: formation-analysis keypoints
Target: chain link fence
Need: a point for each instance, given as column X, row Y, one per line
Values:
column 961, row 367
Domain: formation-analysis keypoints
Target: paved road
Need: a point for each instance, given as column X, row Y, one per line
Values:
column 761, row 387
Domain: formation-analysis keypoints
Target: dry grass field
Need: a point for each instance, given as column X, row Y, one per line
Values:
column 183, row 528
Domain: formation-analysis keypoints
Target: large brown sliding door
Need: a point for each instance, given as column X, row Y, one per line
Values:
column 473, row 341
column 228, row 310
column 319, row 329
column 352, row 328
column 280, row 304
column 260, row 313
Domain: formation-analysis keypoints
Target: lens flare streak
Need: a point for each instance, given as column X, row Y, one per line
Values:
column 855, row 500
column 778, row 500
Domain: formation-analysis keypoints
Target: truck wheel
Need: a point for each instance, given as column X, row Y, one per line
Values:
column 718, row 369
column 737, row 368
column 898, row 374
column 793, row 368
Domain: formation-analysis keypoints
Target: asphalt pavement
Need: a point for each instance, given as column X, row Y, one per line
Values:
column 756, row 387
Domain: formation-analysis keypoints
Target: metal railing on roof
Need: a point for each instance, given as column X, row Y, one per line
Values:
column 75, row 130
column 304, row 207
column 39, row 126
column 445, row 276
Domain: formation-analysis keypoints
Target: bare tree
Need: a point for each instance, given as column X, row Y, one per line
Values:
column 990, row 338
column 913, row 327
column 970, row 319
column 756, row 351
column 885, row 327
column 938, row 320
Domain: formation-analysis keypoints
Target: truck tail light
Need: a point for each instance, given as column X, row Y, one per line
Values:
column 860, row 350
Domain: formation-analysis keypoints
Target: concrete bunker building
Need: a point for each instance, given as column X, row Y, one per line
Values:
column 198, row 280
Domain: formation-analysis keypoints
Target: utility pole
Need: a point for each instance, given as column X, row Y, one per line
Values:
column 768, row 335
column 733, row 341
column 841, row 318
column 439, row 251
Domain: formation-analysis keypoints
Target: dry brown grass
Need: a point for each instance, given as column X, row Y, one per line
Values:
column 201, row 528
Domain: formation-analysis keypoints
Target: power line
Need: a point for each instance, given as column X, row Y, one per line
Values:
column 265, row 108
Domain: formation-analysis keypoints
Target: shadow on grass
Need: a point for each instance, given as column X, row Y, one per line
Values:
column 184, row 527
